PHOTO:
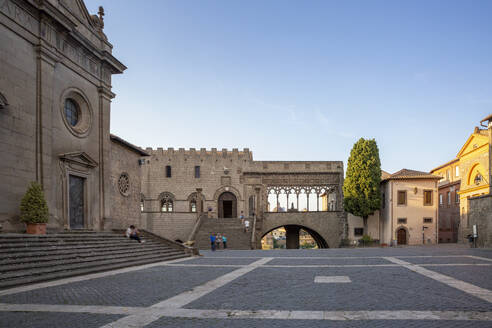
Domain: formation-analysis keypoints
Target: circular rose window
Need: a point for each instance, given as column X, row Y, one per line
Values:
column 76, row 112
column 124, row 184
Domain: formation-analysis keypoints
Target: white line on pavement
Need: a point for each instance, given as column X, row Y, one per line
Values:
column 324, row 265
column 170, row 305
column 252, row 314
column 331, row 279
column 468, row 288
column 64, row 281
column 480, row 258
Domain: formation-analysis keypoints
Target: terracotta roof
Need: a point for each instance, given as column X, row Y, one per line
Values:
column 411, row 174
column 385, row 175
column 132, row 147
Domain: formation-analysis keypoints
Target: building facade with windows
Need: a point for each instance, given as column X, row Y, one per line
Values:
column 56, row 67
column 449, row 200
column 409, row 209
column 464, row 178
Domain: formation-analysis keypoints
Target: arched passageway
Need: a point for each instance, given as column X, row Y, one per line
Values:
column 227, row 205
column 292, row 236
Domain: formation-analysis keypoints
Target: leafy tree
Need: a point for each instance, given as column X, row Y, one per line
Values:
column 33, row 205
column 361, row 188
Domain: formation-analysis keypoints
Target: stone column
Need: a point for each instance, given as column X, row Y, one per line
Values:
column 45, row 106
column 292, row 236
column 104, row 114
column 199, row 200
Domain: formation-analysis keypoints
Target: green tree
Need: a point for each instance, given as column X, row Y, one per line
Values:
column 361, row 188
column 33, row 205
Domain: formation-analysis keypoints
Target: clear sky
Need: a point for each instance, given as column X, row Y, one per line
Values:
column 302, row 80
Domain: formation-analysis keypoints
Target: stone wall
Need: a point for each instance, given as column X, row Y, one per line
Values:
column 480, row 213
column 358, row 222
column 174, row 226
column 125, row 204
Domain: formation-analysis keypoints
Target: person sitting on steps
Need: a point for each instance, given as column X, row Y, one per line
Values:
column 133, row 233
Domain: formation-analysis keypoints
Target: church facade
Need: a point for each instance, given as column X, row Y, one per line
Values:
column 55, row 99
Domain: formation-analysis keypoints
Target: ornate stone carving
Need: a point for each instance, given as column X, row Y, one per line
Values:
column 124, row 184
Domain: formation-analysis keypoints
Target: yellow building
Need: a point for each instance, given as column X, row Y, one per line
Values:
column 471, row 168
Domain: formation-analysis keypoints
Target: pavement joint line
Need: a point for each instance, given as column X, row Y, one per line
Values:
column 155, row 314
column 64, row 281
column 171, row 305
column 468, row 288
column 480, row 258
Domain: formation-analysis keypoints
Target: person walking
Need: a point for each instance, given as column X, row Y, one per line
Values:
column 246, row 225
column 242, row 217
column 224, row 241
column 212, row 242
column 218, row 240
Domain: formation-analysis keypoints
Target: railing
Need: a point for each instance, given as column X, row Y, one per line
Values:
column 253, row 233
column 196, row 227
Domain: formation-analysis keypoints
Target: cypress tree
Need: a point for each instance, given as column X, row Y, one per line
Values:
column 361, row 188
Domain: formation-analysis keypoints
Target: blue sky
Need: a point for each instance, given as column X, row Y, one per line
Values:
column 302, row 80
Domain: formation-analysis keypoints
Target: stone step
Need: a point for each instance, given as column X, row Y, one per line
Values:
column 55, row 239
column 66, row 247
column 65, row 274
column 63, row 243
column 59, row 236
column 70, row 267
column 57, row 251
column 29, row 257
column 85, row 259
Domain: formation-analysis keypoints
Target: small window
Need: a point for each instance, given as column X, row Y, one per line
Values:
column 141, row 205
column 71, row 112
column 383, row 200
column 358, row 231
column 427, row 220
column 457, row 168
column 440, row 199
column 449, row 197
column 427, row 197
column 456, row 197
column 447, row 174
column 193, row 206
column 402, row 197
column 197, row 172
column 402, row 220
column 168, row 171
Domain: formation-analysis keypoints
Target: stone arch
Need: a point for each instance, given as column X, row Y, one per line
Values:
column 230, row 189
column 227, row 205
column 320, row 241
column 475, row 169
column 192, row 201
column 407, row 234
column 166, row 201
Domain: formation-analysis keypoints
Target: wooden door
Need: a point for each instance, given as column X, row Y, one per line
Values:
column 227, row 205
column 76, row 202
column 401, row 237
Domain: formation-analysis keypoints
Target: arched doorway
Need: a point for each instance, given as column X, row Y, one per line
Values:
column 227, row 205
column 401, row 236
column 291, row 234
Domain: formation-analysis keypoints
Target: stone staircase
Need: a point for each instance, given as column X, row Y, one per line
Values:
column 231, row 228
column 26, row 259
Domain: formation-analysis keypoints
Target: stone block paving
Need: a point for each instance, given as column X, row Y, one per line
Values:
column 387, row 288
column 54, row 319
column 267, row 323
column 253, row 284
column 138, row 288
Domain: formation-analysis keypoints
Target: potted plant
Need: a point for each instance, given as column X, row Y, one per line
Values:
column 34, row 210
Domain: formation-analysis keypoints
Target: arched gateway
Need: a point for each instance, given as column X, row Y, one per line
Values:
column 227, row 205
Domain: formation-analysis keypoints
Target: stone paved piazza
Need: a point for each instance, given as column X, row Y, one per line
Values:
column 440, row 286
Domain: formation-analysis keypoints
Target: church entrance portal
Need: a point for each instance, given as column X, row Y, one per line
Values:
column 227, row 205
column 76, row 202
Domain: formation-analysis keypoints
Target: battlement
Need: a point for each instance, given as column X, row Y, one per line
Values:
column 202, row 153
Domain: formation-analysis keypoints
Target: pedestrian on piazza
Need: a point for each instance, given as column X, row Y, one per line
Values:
column 212, row 242
column 218, row 240
column 224, row 241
